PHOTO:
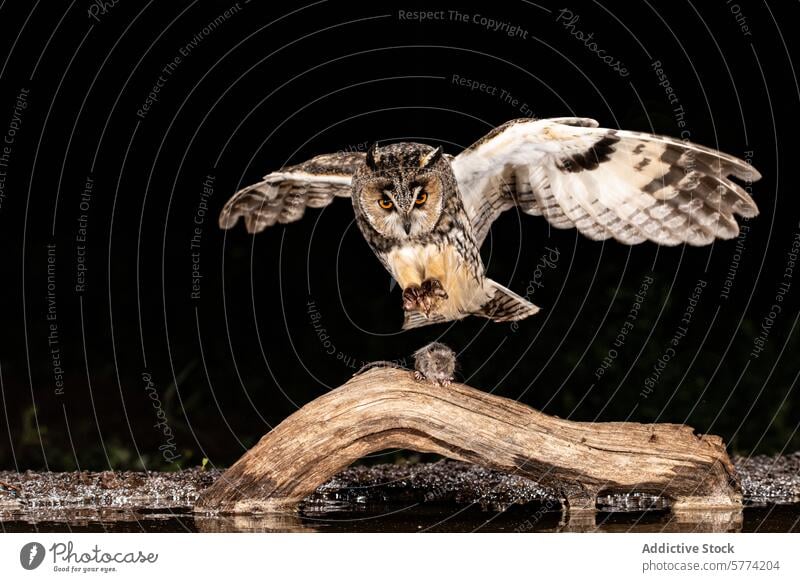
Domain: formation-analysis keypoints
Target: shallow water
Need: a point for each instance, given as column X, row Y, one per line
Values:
column 442, row 496
column 415, row 517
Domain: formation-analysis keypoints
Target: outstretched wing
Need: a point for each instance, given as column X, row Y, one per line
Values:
column 283, row 196
column 606, row 183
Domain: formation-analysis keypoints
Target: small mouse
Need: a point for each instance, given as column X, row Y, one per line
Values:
column 435, row 363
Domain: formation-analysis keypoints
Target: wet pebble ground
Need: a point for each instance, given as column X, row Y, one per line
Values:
column 34, row 490
column 765, row 479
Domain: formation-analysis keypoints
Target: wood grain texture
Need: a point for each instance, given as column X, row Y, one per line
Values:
column 386, row 408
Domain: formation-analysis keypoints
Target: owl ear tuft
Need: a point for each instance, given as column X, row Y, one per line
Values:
column 430, row 158
column 373, row 157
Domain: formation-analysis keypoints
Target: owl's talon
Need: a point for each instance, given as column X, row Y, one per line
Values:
column 412, row 298
column 433, row 295
column 424, row 298
column 434, row 287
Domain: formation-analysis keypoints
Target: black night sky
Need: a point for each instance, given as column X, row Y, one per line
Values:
column 137, row 333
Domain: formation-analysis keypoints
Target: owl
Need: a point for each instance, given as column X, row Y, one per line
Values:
column 425, row 214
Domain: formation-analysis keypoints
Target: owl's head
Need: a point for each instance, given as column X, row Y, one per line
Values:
column 401, row 189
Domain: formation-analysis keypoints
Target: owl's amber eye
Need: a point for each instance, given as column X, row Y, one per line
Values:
column 422, row 197
column 385, row 203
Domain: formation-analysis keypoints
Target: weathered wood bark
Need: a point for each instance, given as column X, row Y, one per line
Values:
column 386, row 408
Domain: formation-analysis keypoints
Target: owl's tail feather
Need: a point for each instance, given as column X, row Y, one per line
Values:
column 414, row 319
column 506, row 305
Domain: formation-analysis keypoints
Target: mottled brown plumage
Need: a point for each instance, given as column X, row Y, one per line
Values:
column 426, row 214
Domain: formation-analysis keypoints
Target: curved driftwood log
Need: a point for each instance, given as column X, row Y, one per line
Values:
column 386, row 408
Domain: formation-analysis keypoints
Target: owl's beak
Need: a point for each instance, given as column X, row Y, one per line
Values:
column 407, row 223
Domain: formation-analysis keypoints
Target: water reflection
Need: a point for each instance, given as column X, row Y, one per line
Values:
column 415, row 517
column 269, row 523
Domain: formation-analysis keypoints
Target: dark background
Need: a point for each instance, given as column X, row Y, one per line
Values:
column 275, row 84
